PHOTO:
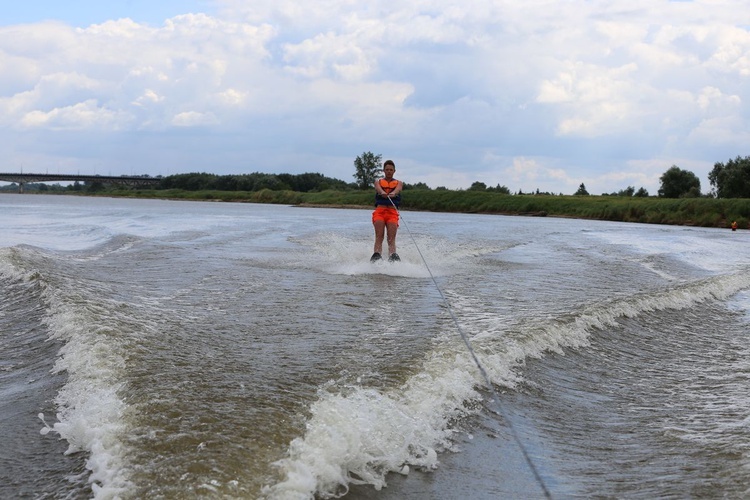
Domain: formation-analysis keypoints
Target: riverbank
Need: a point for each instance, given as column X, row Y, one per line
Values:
column 703, row 212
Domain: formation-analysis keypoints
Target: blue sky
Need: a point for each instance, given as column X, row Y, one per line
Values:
column 530, row 95
column 82, row 13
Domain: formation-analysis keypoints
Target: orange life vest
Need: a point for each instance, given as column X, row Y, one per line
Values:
column 387, row 186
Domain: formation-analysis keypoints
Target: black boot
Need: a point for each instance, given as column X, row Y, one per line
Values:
column 375, row 257
column 394, row 258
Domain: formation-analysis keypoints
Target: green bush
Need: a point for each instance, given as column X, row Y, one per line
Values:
column 706, row 212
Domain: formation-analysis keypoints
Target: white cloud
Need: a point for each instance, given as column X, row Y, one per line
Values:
column 328, row 55
column 712, row 97
column 148, row 97
column 232, row 97
column 193, row 119
column 721, row 130
column 523, row 170
column 80, row 116
column 558, row 93
column 599, row 101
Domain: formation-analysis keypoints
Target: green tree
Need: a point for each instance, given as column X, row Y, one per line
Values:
column 190, row 182
column 733, row 179
column 94, row 187
column 269, row 181
column 478, row 186
column 367, row 167
column 499, row 189
column 581, row 191
column 641, row 193
column 227, row 183
column 678, row 183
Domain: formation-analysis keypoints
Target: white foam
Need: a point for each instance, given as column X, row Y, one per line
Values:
column 358, row 435
column 713, row 249
column 89, row 415
column 533, row 339
column 420, row 255
column 741, row 302
column 89, row 410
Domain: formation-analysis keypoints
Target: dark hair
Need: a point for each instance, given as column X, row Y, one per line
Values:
column 389, row 162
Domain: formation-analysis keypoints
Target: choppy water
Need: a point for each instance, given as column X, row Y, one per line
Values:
column 210, row 350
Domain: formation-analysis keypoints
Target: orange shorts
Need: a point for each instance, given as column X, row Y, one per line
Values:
column 389, row 215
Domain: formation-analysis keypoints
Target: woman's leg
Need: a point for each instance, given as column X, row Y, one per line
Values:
column 392, row 228
column 379, row 234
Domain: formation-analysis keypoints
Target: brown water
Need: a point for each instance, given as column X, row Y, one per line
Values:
column 208, row 350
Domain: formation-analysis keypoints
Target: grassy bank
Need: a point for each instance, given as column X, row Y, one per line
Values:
column 705, row 212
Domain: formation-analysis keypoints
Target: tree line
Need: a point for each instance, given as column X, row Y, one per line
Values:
column 201, row 181
column 728, row 180
column 302, row 183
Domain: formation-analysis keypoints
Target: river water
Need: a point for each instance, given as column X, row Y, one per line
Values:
column 162, row 349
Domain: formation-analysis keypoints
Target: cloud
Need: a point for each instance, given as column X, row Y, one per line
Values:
column 148, row 97
column 193, row 119
column 81, row 116
column 537, row 94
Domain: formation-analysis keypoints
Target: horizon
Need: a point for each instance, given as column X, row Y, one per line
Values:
column 73, row 178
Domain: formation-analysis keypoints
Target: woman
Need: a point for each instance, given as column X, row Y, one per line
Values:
column 385, row 216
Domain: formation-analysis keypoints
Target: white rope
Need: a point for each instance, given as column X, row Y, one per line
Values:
column 486, row 377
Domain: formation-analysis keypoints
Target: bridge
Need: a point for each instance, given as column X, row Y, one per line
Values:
column 124, row 180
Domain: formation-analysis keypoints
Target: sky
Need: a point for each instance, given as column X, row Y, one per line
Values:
column 533, row 95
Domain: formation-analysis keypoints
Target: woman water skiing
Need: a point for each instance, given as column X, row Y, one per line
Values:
column 385, row 216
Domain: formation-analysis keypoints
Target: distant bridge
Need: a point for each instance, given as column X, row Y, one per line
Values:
column 124, row 180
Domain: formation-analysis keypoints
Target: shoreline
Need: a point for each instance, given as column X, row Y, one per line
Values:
column 690, row 212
